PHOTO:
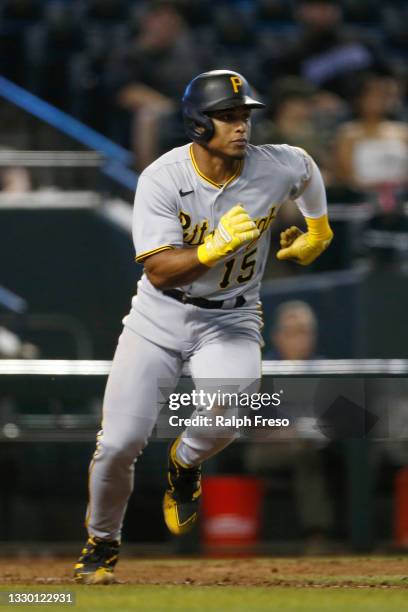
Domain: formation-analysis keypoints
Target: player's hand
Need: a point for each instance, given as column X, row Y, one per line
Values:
column 301, row 247
column 235, row 229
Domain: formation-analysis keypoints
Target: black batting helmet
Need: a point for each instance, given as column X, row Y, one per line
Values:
column 211, row 91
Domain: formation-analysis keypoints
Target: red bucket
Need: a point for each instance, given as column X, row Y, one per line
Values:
column 401, row 507
column 231, row 514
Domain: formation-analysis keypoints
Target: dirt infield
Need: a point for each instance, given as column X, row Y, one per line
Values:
column 330, row 572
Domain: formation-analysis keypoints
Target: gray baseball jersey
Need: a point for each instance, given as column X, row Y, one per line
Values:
column 177, row 206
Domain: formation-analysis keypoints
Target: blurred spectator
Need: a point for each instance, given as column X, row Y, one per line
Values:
column 15, row 179
column 386, row 234
column 294, row 336
column 324, row 52
column 106, row 10
column 394, row 24
column 270, row 11
column 12, row 347
column 235, row 42
column 52, row 47
column 150, row 77
column 15, row 18
column 371, row 152
column 290, row 120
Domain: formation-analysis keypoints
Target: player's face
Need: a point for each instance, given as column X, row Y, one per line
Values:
column 232, row 130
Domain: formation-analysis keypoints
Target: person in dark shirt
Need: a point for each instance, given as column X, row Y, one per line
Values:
column 149, row 77
column 325, row 53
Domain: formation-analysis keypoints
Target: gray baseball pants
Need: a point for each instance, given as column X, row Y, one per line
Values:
column 131, row 409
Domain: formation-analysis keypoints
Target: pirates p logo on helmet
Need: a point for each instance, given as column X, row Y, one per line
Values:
column 236, row 83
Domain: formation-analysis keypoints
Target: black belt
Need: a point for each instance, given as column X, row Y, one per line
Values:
column 202, row 302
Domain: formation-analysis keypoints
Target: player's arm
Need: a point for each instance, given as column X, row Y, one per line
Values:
column 181, row 266
column 305, row 247
column 174, row 268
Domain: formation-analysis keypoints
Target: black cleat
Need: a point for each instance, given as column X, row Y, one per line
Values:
column 182, row 497
column 97, row 562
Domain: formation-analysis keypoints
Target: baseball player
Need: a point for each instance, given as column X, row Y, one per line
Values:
column 202, row 216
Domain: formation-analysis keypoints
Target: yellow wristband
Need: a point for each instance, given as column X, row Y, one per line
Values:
column 319, row 229
column 205, row 257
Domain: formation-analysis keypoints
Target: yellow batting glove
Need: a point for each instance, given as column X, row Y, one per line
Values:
column 304, row 248
column 235, row 229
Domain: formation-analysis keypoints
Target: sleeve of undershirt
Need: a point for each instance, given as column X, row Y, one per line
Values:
column 308, row 191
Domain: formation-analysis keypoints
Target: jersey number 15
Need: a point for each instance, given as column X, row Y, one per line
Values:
column 246, row 271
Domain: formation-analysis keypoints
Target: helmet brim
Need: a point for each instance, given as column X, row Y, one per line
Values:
column 225, row 104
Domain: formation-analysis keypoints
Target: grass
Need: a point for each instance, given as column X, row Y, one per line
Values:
column 187, row 598
column 338, row 584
